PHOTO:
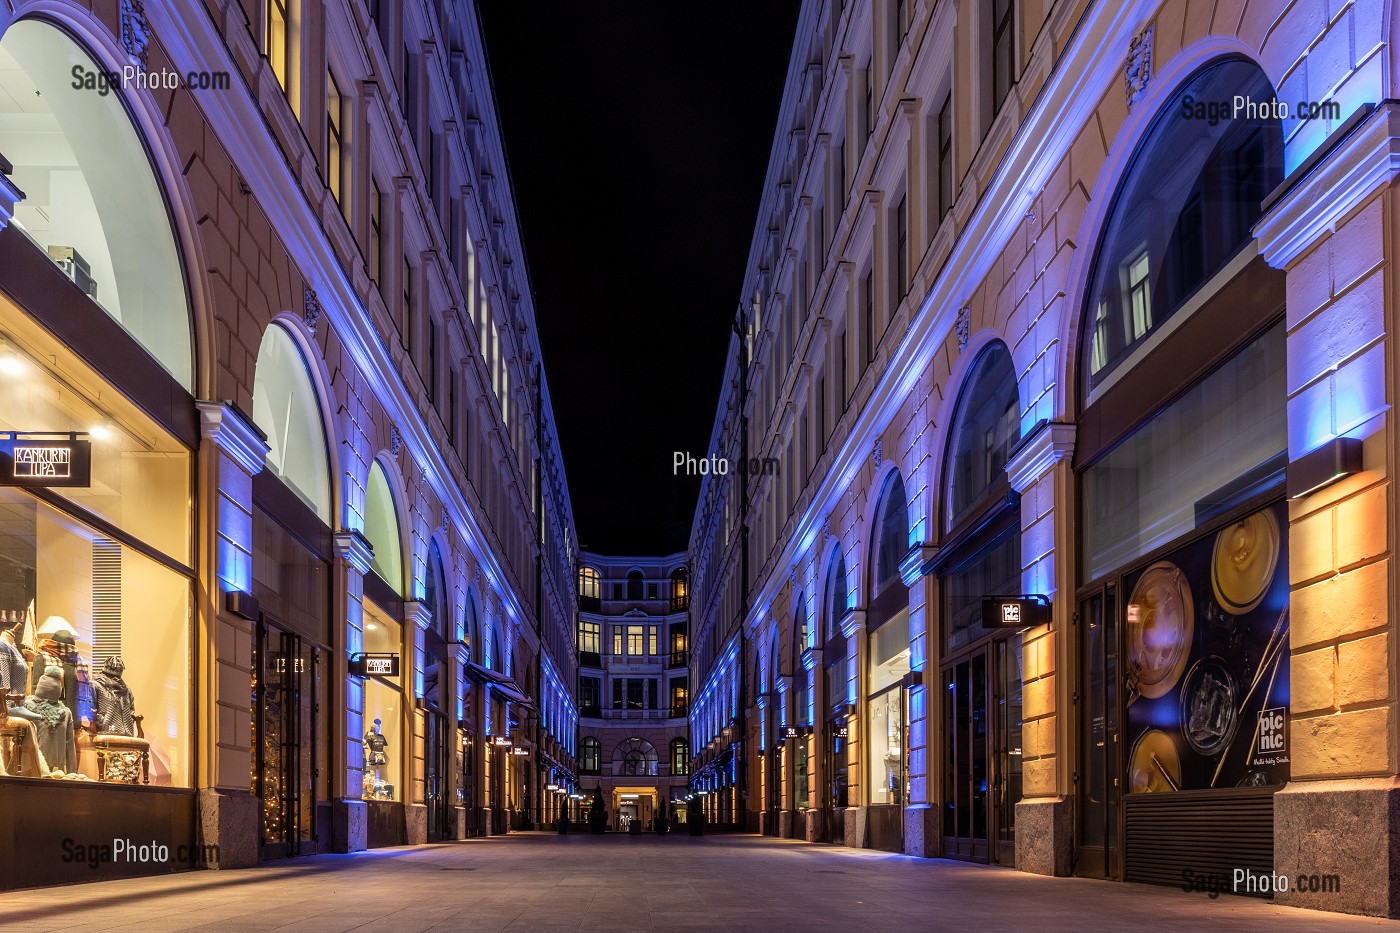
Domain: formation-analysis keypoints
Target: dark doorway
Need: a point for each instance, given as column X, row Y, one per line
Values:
column 287, row 706
column 1098, row 855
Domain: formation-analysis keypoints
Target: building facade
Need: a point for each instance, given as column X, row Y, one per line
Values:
column 1088, row 304
column 634, row 685
column 232, row 635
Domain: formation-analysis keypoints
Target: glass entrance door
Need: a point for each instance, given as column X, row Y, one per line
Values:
column 1098, row 855
column 435, row 771
column 837, row 785
column 286, row 775
column 966, row 764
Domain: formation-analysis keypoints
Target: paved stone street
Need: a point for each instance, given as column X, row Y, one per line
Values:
column 537, row 882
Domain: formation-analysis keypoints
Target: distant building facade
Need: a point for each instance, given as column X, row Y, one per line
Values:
column 634, row 686
column 1051, row 300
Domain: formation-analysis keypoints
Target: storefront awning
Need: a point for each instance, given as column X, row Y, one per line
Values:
column 508, row 687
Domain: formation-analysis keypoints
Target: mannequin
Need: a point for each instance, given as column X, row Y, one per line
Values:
column 14, row 673
column 114, row 707
column 55, row 727
column 376, row 756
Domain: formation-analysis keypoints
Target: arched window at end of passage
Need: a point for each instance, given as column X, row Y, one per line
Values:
column 91, row 199
column 891, row 536
column 287, row 410
column 1184, row 210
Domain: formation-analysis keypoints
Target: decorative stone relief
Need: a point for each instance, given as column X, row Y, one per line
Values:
column 1137, row 70
column 395, row 440
column 136, row 31
column 310, row 309
column 878, row 453
column 963, row 327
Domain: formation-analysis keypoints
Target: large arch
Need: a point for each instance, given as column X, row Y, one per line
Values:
column 289, row 410
column 100, row 182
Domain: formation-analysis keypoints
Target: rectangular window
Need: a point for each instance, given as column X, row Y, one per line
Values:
column 617, row 592
column 868, row 111
column 634, row 640
column 651, row 640
column 591, row 693
column 406, row 309
column 1002, row 74
column 432, row 375
column 651, row 591
column 840, row 155
column 589, row 635
column 821, row 406
column 634, row 693
column 867, row 319
column 901, row 20
column 652, row 694
column 376, row 205
column 901, row 249
column 452, row 408
column 945, row 156
column 406, row 88
column 617, row 694
column 1139, row 298
column 277, row 36
column 842, row 368
column 336, row 150
column 617, row 640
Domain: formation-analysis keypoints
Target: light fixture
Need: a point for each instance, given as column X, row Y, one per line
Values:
column 11, row 364
column 1335, row 460
column 102, row 431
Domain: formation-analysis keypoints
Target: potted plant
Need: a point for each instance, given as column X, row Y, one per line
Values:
column 597, row 816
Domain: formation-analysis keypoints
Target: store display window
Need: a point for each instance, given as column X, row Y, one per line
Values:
column 384, row 712
column 94, row 594
column 889, row 662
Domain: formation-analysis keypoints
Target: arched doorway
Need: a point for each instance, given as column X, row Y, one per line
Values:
column 980, row 669
column 885, row 735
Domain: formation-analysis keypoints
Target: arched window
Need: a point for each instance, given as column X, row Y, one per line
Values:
column 435, row 590
column 891, row 541
column 382, row 528
column 634, row 585
column 589, row 586
column 496, row 658
column 592, row 755
column 800, row 678
column 680, row 589
column 471, row 628
column 635, row 757
column 838, row 600
column 680, row 756
column 92, row 202
column 986, row 561
column 286, row 408
column 985, row 429
column 1183, row 211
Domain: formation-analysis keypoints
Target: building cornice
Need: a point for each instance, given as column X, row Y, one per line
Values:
column 230, row 431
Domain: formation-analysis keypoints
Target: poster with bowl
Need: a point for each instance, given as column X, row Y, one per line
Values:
column 1205, row 649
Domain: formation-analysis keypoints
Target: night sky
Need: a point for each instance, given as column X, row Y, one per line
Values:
column 637, row 133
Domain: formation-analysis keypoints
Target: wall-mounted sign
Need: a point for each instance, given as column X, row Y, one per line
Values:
column 841, row 731
column 522, row 751
column 1015, row 611
column 38, row 459
column 501, row 741
column 794, row 732
column 374, row 665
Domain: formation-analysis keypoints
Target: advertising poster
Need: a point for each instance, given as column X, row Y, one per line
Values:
column 1206, row 661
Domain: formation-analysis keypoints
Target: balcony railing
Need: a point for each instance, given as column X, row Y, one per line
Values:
column 665, row 713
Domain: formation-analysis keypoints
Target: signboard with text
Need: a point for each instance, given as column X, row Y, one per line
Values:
column 45, row 460
column 1015, row 611
column 375, row 665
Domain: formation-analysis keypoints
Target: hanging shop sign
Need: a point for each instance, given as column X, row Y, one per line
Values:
column 40, row 459
column 1015, row 611
column 794, row 732
column 374, row 665
column 501, row 741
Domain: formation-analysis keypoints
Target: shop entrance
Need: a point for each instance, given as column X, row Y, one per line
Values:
column 1100, row 788
column 837, row 796
column 982, row 767
column 774, row 788
column 435, row 771
column 286, row 703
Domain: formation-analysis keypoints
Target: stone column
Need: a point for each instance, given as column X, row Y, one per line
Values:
column 921, row 832
column 816, row 765
column 853, row 627
column 764, row 745
column 349, row 814
column 1039, row 469
column 461, row 654
column 1333, row 231
column 417, row 619
column 230, row 816
column 788, row 748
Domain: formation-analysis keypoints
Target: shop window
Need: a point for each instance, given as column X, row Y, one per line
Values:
column 1183, row 211
column 94, row 651
column 286, row 408
column 1220, row 443
column 987, row 426
column 92, row 202
column 680, row 756
column 382, row 529
column 384, row 714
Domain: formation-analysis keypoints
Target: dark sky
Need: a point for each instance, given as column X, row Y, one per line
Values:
column 638, row 134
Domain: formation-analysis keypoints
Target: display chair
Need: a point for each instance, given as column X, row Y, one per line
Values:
column 123, row 759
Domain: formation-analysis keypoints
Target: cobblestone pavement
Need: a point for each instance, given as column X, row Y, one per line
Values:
column 539, row 882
